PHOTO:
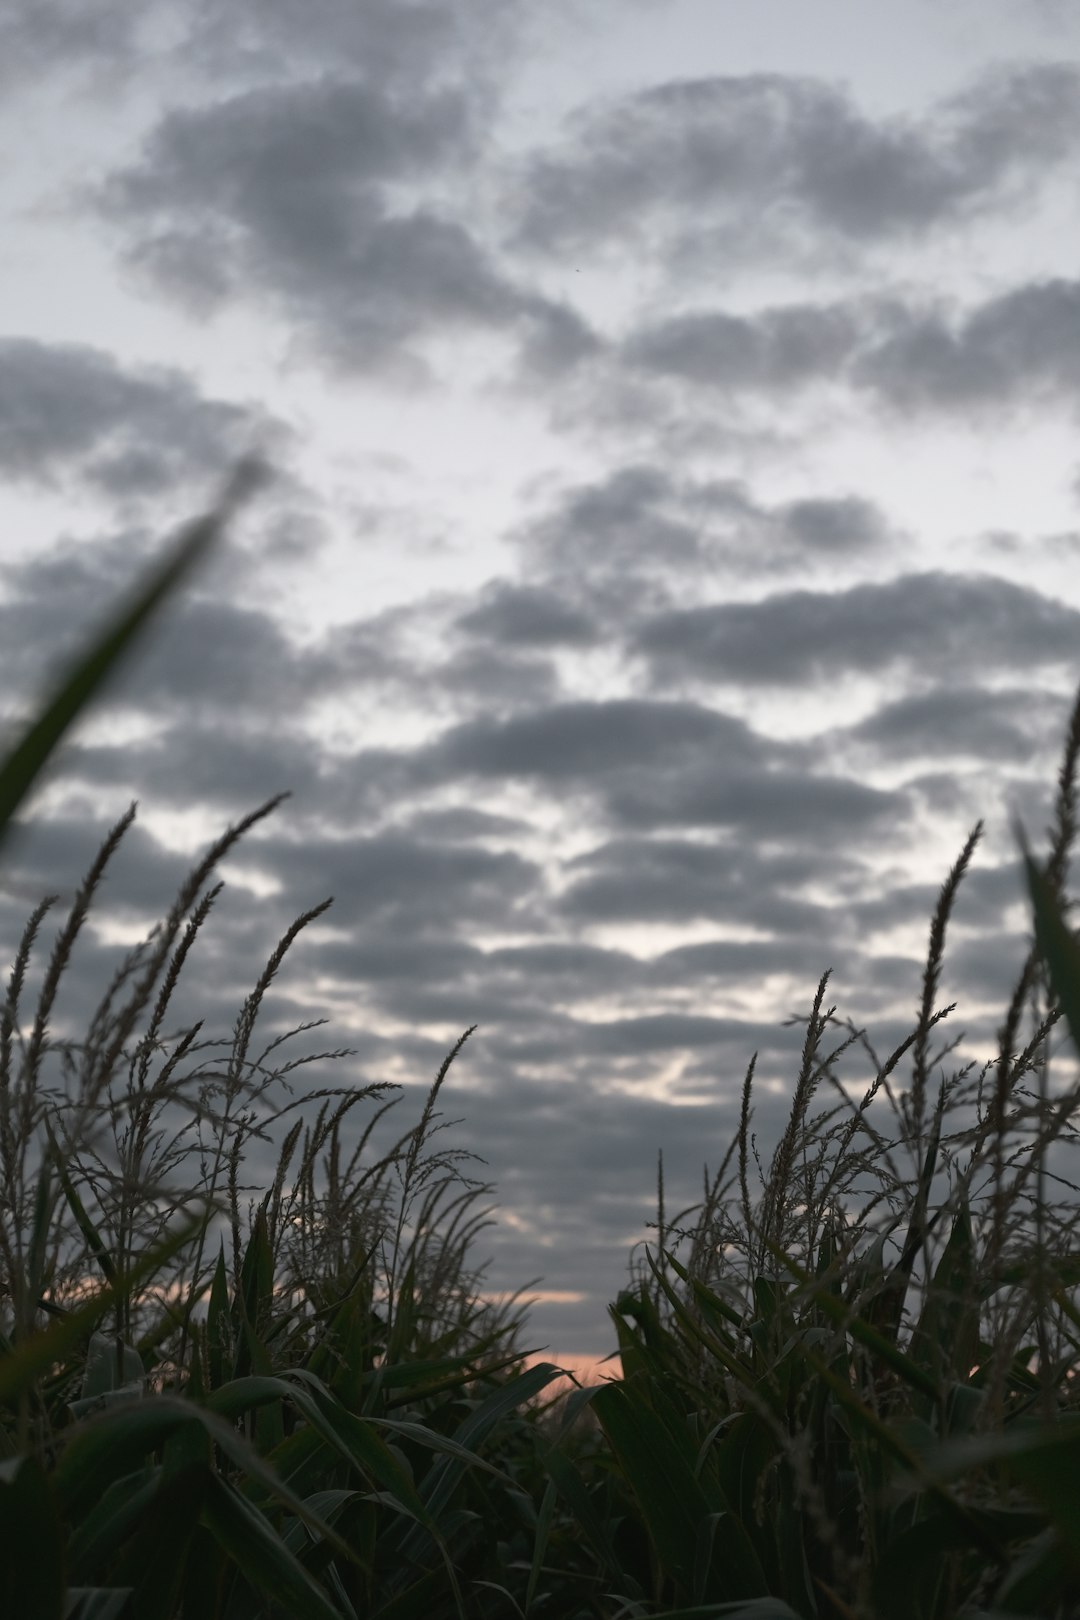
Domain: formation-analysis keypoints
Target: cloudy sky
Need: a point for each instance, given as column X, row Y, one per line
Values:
column 673, row 551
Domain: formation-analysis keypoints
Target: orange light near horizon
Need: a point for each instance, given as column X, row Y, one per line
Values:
column 587, row 1369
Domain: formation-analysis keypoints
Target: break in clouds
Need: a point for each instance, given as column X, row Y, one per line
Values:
column 703, row 700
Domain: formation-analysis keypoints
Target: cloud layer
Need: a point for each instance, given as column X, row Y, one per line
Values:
column 719, row 712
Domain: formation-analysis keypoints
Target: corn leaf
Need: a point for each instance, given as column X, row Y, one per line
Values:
column 85, row 678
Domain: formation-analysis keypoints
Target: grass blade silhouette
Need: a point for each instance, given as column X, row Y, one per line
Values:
column 84, row 679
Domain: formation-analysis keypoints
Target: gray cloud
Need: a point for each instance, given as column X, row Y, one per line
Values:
column 70, row 410
column 392, row 880
column 206, row 658
column 786, row 805
column 225, row 768
column 40, row 37
column 305, row 194
column 834, row 527
column 1020, row 347
column 528, row 616
column 641, row 526
column 965, row 722
column 937, row 625
column 650, row 880
column 399, row 42
column 52, row 854
column 986, row 894
column 464, row 822
column 727, row 961
column 591, row 741
column 618, row 526
column 772, row 350
column 390, row 39
column 767, row 159
column 498, row 679
column 662, row 764
column 396, row 42
column 1017, row 348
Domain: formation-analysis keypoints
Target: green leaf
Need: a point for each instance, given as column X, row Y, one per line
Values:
column 356, row 1442
column 759, row 1608
column 840, row 1313
column 575, row 1493
column 100, row 1530
column 75, row 1204
column 723, row 1352
column 156, row 1557
column 99, row 1603
column 113, row 1444
column 1044, row 1458
column 353, row 1438
column 256, row 1273
column 403, row 1324
column 262, row 1556
column 1037, row 1582
column 945, row 1341
column 442, row 1480
column 102, row 1373
column 1060, row 950
column 84, row 679
column 109, row 1446
column 543, row 1531
column 657, row 1460
column 219, row 1338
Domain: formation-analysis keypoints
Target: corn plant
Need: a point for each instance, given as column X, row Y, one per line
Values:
column 209, row 1407
column 810, row 1426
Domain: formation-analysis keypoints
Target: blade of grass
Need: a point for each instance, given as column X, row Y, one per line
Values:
column 84, row 679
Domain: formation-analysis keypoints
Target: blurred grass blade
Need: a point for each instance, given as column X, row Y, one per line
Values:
column 85, row 677
column 1045, row 1458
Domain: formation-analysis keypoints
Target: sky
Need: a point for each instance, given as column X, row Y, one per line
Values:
column 671, row 555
